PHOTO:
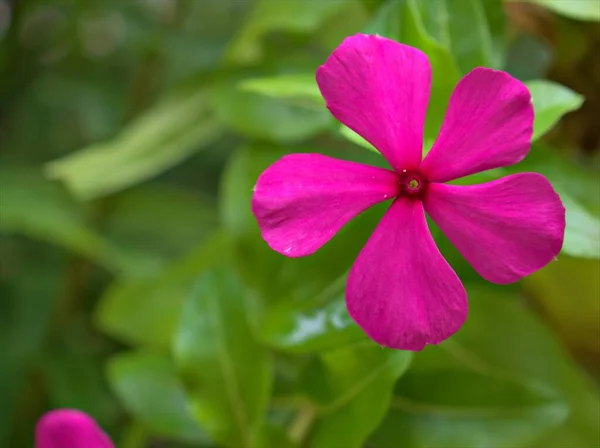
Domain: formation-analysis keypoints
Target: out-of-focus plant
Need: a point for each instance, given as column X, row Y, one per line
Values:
column 136, row 286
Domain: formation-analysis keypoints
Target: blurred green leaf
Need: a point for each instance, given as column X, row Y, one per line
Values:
column 356, row 139
column 550, row 102
column 41, row 209
column 162, row 137
column 402, row 20
column 464, row 27
column 575, row 9
column 457, row 409
column 352, row 387
column 314, row 327
column 148, row 386
column 146, row 311
column 263, row 118
column 570, row 277
column 578, row 189
column 298, row 87
column 267, row 16
column 227, row 374
column 160, row 220
column 504, row 340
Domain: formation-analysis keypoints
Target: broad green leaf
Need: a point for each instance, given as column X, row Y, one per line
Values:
column 146, row 311
column 457, row 409
column 43, row 210
column 162, row 137
column 578, row 189
column 402, row 20
column 228, row 375
column 352, row 388
column 503, row 339
column 160, row 220
column 317, row 327
column 469, row 28
column 575, row 9
column 298, row 16
column 552, row 287
column 260, row 117
column 550, row 102
column 148, row 386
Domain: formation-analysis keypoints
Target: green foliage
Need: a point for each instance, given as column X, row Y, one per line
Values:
column 135, row 282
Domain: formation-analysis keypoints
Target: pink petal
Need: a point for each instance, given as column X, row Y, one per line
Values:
column 488, row 124
column 506, row 229
column 401, row 291
column 303, row 200
column 379, row 89
column 69, row 428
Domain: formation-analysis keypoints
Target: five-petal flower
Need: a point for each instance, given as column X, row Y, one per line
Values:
column 400, row 289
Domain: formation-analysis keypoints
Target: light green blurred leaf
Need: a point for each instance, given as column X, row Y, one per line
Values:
column 575, row 9
column 550, row 102
column 162, row 137
column 148, row 385
column 402, row 20
column 356, row 139
column 310, row 328
column 294, row 87
column 43, row 210
column 263, row 118
column 457, row 409
column 297, row 16
column 578, row 189
column 228, row 375
column 146, row 311
column 352, row 388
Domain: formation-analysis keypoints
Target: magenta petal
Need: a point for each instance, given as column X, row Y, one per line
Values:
column 69, row 428
column 401, row 291
column 488, row 124
column 379, row 89
column 506, row 229
column 303, row 200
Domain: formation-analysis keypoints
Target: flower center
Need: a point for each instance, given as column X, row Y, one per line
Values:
column 411, row 183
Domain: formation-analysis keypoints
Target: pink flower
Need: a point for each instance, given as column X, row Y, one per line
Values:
column 400, row 290
column 69, row 428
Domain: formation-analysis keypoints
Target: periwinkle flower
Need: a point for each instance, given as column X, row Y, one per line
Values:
column 69, row 428
column 400, row 290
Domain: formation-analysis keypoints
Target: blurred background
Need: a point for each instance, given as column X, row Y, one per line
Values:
column 134, row 283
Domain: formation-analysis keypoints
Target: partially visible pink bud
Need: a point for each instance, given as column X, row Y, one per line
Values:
column 69, row 428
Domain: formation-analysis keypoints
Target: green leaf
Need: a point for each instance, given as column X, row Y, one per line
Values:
column 160, row 220
column 227, row 373
column 457, row 409
column 356, row 139
column 504, row 340
column 162, row 137
column 575, row 9
column 578, row 189
column 550, row 101
column 316, row 327
column 297, row 16
column 146, row 311
column 298, row 87
column 471, row 29
column 402, row 20
column 148, row 386
column 352, row 387
column 265, row 118
column 43, row 210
